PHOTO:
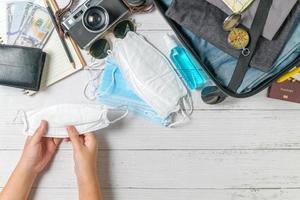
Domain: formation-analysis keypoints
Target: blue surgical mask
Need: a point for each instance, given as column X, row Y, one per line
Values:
column 113, row 90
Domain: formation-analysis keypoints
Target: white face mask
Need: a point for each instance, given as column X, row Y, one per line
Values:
column 86, row 118
column 151, row 75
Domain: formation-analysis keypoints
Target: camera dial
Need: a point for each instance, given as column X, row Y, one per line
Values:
column 95, row 19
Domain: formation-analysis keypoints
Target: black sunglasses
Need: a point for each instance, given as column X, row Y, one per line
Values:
column 100, row 48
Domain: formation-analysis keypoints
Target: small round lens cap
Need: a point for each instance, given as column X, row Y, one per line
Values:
column 136, row 3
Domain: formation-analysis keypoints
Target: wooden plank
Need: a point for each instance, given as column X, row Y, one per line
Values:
column 209, row 129
column 173, row 194
column 176, row 169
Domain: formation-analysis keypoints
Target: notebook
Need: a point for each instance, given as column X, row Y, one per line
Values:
column 57, row 66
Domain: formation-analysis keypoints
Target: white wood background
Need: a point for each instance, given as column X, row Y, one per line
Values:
column 239, row 150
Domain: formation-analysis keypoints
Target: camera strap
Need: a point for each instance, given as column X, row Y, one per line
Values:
column 144, row 8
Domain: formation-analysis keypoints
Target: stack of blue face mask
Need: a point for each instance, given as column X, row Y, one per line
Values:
column 114, row 91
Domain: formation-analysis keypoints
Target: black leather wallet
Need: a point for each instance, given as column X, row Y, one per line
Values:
column 21, row 67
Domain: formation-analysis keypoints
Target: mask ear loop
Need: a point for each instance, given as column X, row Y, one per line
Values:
column 21, row 114
column 185, row 119
column 187, row 102
column 120, row 117
column 92, row 80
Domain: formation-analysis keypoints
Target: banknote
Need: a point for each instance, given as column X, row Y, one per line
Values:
column 36, row 30
column 237, row 5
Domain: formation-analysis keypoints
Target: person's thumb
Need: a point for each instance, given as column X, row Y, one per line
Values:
column 40, row 132
column 74, row 136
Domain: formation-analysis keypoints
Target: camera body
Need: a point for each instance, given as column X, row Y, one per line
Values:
column 92, row 19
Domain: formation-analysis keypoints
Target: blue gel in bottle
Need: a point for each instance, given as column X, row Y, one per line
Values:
column 185, row 64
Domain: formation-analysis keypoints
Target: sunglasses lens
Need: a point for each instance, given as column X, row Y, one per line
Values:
column 123, row 28
column 99, row 49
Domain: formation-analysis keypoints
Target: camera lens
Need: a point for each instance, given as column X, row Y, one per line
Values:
column 96, row 19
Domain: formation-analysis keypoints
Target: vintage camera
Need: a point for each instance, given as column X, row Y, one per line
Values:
column 92, row 19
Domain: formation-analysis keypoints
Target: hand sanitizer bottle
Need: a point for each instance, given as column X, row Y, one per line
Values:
column 186, row 66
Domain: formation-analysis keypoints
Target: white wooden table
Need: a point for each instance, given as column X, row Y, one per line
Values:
column 239, row 150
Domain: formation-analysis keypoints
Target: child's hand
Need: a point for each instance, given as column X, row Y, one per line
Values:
column 85, row 155
column 38, row 150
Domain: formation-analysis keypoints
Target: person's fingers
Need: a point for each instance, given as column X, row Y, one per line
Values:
column 40, row 132
column 90, row 140
column 67, row 140
column 57, row 141
column 28, row 140
column 74, row 136
column 81, row 139
column 49, row 145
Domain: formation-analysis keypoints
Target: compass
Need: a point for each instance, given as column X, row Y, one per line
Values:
column 239, row 38
column 232, row 21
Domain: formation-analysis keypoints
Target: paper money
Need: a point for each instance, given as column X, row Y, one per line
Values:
column 36, row 30
column 17, row 13
column 238, row 6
